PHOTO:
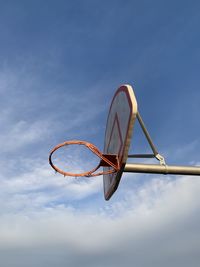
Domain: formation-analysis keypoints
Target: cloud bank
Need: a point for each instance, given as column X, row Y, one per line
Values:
column 154, row 225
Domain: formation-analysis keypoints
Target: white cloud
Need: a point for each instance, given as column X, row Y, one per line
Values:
column 158, row 225
column 29, row 114
column 22, row 133
column 36, row 186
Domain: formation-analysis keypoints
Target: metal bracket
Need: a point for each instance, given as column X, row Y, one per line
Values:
column 161, row 159
column 148, row 137
column 110, row 160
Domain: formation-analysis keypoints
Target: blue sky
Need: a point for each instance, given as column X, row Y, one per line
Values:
column 60, row 64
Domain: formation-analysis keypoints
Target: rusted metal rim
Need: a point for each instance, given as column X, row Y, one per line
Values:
column 110, row 161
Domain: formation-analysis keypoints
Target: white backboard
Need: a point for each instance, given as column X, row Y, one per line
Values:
column 118, row 134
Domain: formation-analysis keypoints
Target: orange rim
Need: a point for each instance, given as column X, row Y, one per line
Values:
column 114, row 167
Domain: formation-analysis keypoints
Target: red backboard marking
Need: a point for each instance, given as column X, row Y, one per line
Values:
column 122, row 89
column 116, row 120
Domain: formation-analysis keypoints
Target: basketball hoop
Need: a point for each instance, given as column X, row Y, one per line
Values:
column 110, row 161
column 122, row 115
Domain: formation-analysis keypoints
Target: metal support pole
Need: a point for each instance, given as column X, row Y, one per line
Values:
column 161, row 169
column 146, row 133
column 148, row 137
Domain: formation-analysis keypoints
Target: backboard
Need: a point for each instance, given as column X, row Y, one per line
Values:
column 118, row 134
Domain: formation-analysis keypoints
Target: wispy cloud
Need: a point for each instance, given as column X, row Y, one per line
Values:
column 22, row 133
column 36, row 186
